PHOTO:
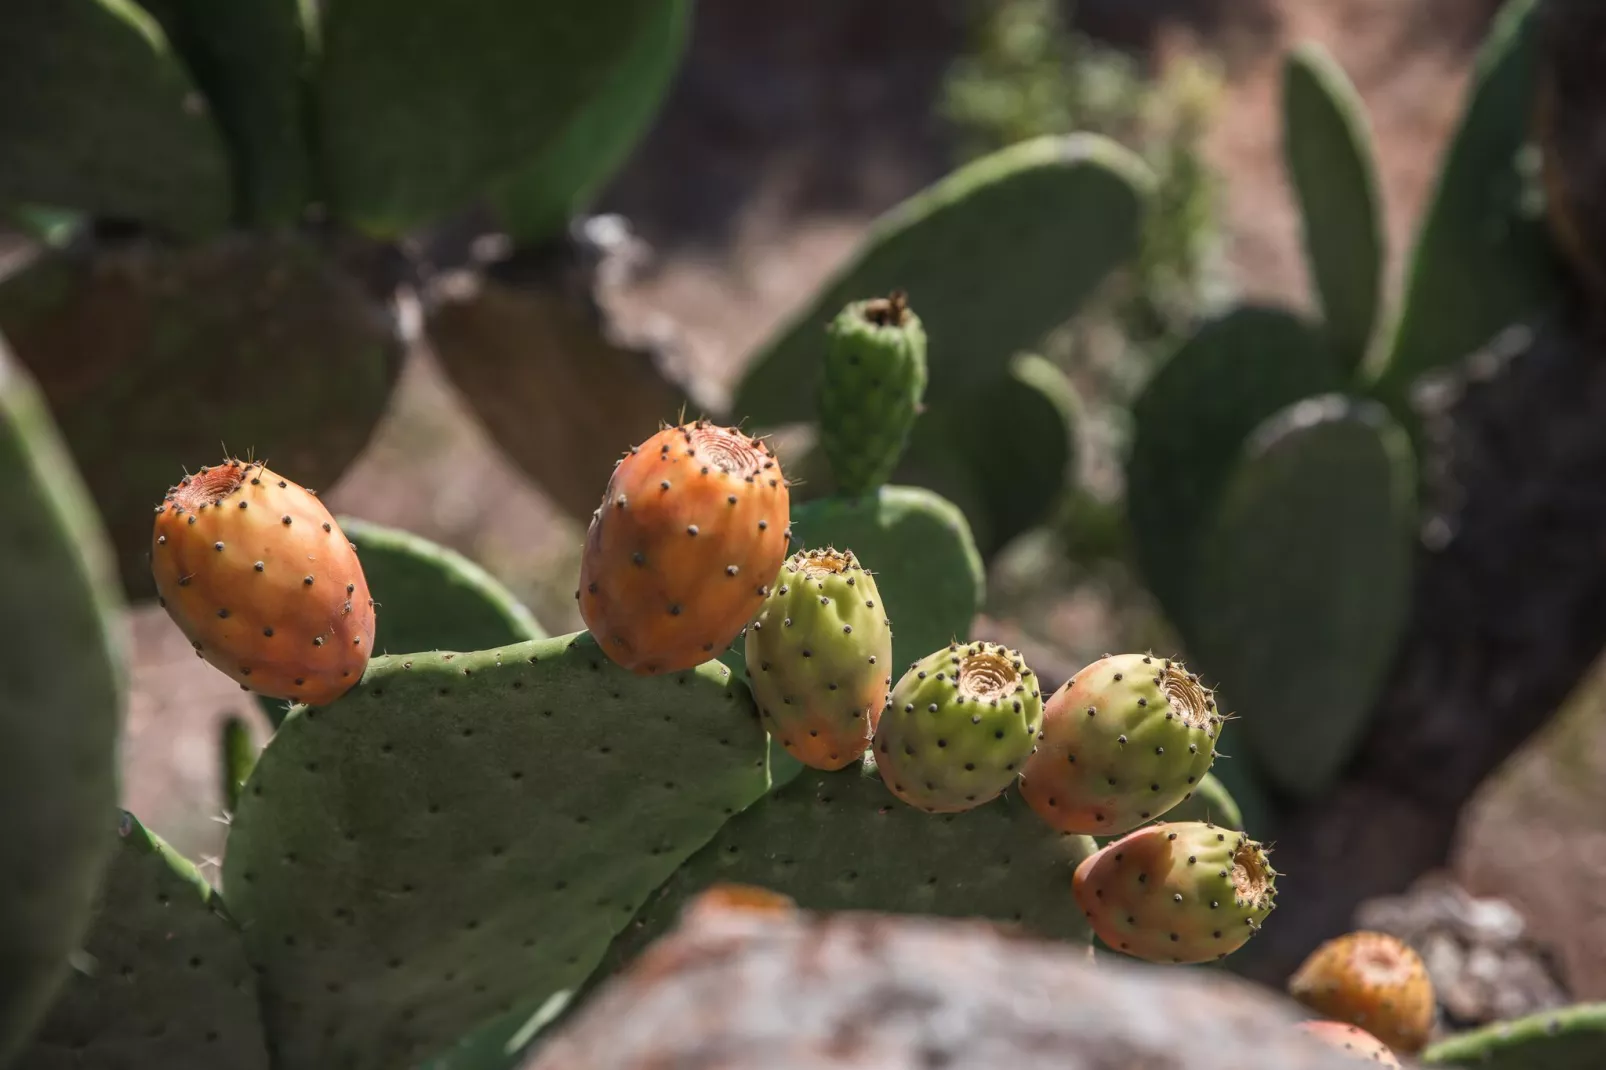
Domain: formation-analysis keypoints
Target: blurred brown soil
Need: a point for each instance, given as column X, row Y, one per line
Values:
column 788, row 130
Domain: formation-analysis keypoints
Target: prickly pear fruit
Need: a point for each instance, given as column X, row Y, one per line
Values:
column 958, row 726
column 819, row 658
column 1350, row 1040
column 1123, row 741
column 1182, row 891
column 684, row 548
column 1372, row 980
column 262, row 581
column 870, row 392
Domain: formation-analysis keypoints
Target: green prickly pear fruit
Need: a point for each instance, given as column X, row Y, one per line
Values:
column 874, row 379
column 958, row 726
column 1123, row 741
column 819, row 658
column 1182, row 892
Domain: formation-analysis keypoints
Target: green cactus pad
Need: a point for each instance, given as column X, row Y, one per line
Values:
column 1304, row 585
column 958, row 727
column 920, row 549
column 1573, row 1038
column 462, row 834
column 819, row 655
column 1190, row 424
column 100, row 117
column 238, row 753
column 161, row 981
column 421, row 107
column 838, row 841
column 1209, row 801
column 63, row 677
column 560, row 183
column 1004, row 454
column 246, row 56
column 1033, row 228
column 871, row 385
column 153, row 359
column 1328, row 150
column 1483, row 258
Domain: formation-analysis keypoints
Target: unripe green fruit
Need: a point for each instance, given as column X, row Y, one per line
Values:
column 959, row 724
column 869, row 395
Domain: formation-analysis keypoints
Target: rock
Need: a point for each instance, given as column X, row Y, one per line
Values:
column 744, row 984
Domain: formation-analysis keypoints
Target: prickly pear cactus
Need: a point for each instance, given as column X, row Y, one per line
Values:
column 691, row 533
column 161, row 980
column 838, row 841
column 560, row 182
column 247, row 57
column 1325, row 493
column 63, row 681
column 1209, row 801
column 819, row 658
column 1328, row 148
column 462, row 834
column 1177, row 892
column 420, row 108
column 1004, row 454
column 1483, row 258
column 1123, row 741
column 149, row 355
column 1189, row 427
column 1373, row 980
column 871, row 386
column 262, row 583
column 1036, row 226
column 102, row 118
column 958, row 727
column 238, row 753
column 921, row 551
column 1573, row 1038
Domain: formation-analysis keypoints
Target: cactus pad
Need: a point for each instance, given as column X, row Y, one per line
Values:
column 920, row 549
column 163, row 979
column 1177, row 892
column 1189, row 427
column 871, row 386
column 838, row 841
column 560, row 182
column 1209, row 801
column 1004, row 453
column 101, row 118
column 1572, row 1038
column 1483, row 257
column 247, row 56
column 1326, row 493
column 150, row 357
column 1036, row 227
column 1328, row 149
column 959, row 725
column 61, row 669
column 420, row 108
column 819, row 658
column 462, row 835
column 1123, row 741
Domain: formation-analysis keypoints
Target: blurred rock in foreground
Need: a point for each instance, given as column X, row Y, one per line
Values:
column 747, row 981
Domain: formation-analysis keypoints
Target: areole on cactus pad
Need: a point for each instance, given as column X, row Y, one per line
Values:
column 684, row 548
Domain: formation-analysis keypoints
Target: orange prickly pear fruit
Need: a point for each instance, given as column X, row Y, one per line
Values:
column 1351, row 1040
column 1372, row 980
column 685, row 547
column 259, row 577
